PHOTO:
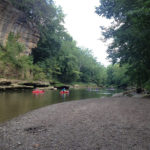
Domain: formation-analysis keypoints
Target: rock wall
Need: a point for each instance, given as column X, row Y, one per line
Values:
column 13, row 20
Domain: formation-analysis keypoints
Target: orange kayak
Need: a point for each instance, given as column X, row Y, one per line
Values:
column 64, row 92
column 37, row 91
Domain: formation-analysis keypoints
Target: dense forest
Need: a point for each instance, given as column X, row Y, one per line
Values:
column 130, row 32
column 57, row 58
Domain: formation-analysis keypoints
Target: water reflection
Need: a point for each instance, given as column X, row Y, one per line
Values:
column 64, row 96
column 15, row 103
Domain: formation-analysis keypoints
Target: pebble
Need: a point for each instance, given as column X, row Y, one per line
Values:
column 36, row 145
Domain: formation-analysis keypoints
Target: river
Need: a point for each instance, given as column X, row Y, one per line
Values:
column 15, row 103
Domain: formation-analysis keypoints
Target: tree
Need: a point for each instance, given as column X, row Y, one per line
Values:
column 117, row 76
column 131, row 35
column 57, row 57
column 16, row 64
column 41, row 12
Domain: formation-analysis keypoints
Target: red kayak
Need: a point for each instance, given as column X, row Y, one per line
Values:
column 64, row 92
column 37, row 91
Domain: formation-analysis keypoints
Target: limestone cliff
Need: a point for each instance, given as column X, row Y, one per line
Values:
column 13, row 20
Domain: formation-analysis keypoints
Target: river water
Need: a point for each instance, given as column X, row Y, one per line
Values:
column 15, row 103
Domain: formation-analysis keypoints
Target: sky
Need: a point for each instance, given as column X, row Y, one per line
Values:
column 83, row 24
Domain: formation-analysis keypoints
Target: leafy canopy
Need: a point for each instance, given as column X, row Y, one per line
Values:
column 131, row 35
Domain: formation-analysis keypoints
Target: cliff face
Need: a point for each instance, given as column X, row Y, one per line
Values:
column 13, row 20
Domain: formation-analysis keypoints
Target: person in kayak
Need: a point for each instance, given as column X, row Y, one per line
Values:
column 63, row 89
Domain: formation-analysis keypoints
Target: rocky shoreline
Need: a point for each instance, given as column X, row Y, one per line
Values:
column 133, row 93
column 10, row 84
column 14, row 84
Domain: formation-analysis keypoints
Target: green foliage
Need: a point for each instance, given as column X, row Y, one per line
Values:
column 39, row 11
column 57, row 57
column 13, row 48
column 117, row 75
column 69, row 69
column 48, row 19
column 38, row 73
column 131, row 35
column 69, row 64
column 91, row 70
column 147, row 85
column 13, row 62
column 68, row 60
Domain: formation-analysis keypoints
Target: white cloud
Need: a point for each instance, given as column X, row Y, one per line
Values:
column 83, row 24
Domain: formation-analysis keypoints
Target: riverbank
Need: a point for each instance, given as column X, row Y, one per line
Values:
column 110, row 123
column 14, row 84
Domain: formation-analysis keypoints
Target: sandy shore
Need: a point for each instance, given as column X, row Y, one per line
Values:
column 94, row 124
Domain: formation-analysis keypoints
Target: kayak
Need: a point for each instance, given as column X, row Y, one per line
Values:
column 64, row 92
column 37, row 91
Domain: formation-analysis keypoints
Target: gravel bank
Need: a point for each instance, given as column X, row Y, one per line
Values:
column 96, row 124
